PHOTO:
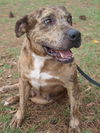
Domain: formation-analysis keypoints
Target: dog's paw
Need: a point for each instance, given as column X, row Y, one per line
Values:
column 74, row 126
column 74, row 130
column 17, row 120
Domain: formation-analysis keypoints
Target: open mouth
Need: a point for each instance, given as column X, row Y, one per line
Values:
column 64, row 56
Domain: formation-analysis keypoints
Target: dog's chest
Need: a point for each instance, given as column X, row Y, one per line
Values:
column 36, row 76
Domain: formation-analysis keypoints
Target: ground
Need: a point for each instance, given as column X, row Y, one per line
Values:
column 52, row 118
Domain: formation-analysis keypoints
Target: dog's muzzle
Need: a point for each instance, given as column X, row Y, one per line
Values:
column 64, row 54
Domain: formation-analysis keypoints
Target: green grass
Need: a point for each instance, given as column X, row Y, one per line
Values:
column 4, row 42
column 92, row 13
column 15, row 75
column 95, row 2
column 6, row 66
column 96, row 109
column 5, row 118
column 3, row 3
column 14, row 51
column 8, row 130
column 66, row 111
column 1, row 71
column 87, row 131
column 31, row 130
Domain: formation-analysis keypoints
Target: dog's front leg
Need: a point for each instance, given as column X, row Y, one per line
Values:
column 73, row 93
column 24, row 89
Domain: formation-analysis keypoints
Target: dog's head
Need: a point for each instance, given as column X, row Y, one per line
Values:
column 50, row 32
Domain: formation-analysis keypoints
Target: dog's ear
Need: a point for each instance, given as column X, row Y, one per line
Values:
column 24, row 24
column 21, row 26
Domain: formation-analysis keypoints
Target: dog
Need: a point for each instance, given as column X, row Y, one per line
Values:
column 46, row 64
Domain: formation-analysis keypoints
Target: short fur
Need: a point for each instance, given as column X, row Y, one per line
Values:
column 41, row 76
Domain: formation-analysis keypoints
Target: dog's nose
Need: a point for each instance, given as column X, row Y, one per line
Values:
column 74, row 34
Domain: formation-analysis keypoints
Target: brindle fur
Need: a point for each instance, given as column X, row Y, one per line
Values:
column 64, row 76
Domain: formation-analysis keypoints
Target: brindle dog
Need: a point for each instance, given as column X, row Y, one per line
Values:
column 46, row 63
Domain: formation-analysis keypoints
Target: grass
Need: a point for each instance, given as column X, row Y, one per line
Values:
column 8, row 130
column 31, row 130
column 87, row 57
column 14, row 51
column 87, row 131
column 15, row 75
column 66, row 111
column 5, row 118
column 1, row 72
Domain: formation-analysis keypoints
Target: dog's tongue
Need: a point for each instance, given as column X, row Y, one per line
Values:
column 65, row 54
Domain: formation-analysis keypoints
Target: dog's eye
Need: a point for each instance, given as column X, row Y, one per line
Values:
column 69, row 19
column 48, row 21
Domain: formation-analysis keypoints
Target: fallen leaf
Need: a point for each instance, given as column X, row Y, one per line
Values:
column 11, row 15
column 9, row 76
column 95, row 41
column 82, row 17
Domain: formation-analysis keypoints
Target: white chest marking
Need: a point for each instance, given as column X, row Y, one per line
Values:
column 36, row 75
column 38, row 64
